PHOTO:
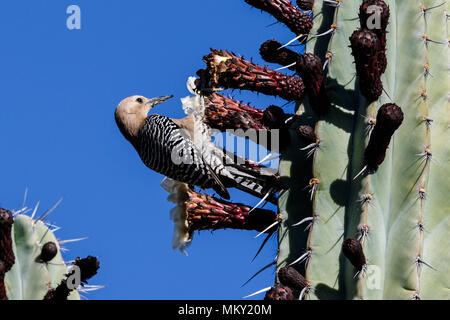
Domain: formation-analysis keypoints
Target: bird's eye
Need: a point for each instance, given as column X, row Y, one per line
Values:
column 139, row 100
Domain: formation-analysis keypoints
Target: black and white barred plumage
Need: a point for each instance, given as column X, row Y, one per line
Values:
column 165, row 148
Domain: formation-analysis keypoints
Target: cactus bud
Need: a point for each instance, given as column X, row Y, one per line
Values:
column 48, row 252
column 3, row 295
column 285, row 12
column 309, row 67
column 365, row 48
column 389, row 119
column 228, row 71
column 307, row 134
column 195, row 212
column 382, row 13
column 274, row 117
column 6, row 251
column 279, row 292
column 305, row 4
column 223, row 113
column 353, row 251
column 270, row 51
column 290, row 277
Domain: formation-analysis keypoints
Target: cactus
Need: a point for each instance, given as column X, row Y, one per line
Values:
column 367, row 160
column 31, row 265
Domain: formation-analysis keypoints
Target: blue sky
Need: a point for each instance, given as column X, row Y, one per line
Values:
column 58, row 136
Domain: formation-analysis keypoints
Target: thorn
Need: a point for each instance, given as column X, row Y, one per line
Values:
column 333, row 3
column 422, row 193
column 365, row 199
column 426, row 39
column 371, row 122
column 426, row 71
column 268, row 158
column 426, row 155
column 421, row 227
column 87, row 288
column 384, row 90
column 428, row 121
column 71, row 240
column 269, row 227
column 257, row 292
column 360, row 173
column 425, row 10
column 302, row 258
column 303, row 221
column 45, row 215
column 260, row 202
column 363, row 233
column 25, row 197
column 419, row 262
column 286, row 67
column 304, row 292
column 259, row 271
column 262, row 245
column 35, row 210
column 313, row 184
column 312, row 148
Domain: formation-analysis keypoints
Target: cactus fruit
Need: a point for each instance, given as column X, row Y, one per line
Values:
column 285, row 12
column 367, row 158
column 278, row 293
column 31, row 265
column 228, row 71
column 195, row 212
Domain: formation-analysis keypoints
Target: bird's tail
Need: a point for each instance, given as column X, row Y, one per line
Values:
column 257, row 180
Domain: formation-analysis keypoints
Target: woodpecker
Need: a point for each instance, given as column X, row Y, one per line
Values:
column 161, row 142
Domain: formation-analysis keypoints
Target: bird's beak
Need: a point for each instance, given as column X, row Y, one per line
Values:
column 155, row 101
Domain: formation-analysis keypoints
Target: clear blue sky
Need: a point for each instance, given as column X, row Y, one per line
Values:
column 59, row 89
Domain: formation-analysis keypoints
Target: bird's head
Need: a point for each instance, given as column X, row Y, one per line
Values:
column 131, row 114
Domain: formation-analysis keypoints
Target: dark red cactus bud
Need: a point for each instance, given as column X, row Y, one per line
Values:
column 3, row 295
column 307, row 134
column 6, row 251
column 353, row 251
column 367, row 15
column 305, row 4
column 279, row 292
column 205, row 212
column 309, row 67
column 60, row 293
column 223, row 113
column 365, row 48
column 48, row 252
column 285, row 12
column 228, row 71
column 389, row 119
column 367, row 19
column 274, row 117
column 88, row 267
column 290, row 277
column 270, row 51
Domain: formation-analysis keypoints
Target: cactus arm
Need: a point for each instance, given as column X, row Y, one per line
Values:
column 394, row 244
column 29, row 279
column 437, row 220
column 334, row 132
column 424, row 96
